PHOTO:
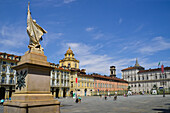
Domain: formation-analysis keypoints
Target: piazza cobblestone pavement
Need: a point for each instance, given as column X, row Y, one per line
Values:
column 131, row 104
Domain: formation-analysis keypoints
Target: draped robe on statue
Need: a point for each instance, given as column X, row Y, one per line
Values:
column 34, row 31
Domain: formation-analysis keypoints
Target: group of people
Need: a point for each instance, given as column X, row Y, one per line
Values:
column 78, row 100
column 105, row 97
column 3, row 100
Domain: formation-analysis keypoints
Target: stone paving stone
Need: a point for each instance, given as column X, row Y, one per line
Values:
column 131, row 104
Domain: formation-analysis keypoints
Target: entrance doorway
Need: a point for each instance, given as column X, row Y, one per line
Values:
column 10, row 91
column 2, row 93
column 64, row 92
column 57, row 92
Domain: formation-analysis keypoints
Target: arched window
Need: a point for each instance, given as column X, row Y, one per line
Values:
column 69, row 65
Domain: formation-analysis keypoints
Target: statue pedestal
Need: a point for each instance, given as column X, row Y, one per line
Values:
column 35, row 97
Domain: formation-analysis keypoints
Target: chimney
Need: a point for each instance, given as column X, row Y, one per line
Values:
column 113, row 71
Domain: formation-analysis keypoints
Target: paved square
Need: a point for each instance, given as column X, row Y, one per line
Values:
column 131, row 104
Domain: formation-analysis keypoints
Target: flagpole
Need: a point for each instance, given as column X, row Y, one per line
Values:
column 163, row 75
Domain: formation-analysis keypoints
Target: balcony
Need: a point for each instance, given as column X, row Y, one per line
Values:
column 11, row 82
column 3, row 82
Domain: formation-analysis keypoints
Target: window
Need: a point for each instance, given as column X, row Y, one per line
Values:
column 147, row 77
column 71, row 84
column 139, row 78
column 160, row 76
column 95, row 84
column 78, row 84
column 12, row 64
column 87, row 84
column 3, row 80
column 4, row 69
column 135, row 78
column 69, row 65
column 139, row 85
column 11, row 70
column 135, row 85
column 82, row 84
column 75, row 65
column 4, row 62
column 131, row 85
column 155, row 77
column 142, row 77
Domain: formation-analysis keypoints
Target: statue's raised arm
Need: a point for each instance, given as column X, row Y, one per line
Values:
column 34, row 31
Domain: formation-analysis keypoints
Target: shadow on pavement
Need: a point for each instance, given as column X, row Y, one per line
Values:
column 167, row 104
column 162, row 110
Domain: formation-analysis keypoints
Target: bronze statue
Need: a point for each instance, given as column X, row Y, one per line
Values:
column 35, row 32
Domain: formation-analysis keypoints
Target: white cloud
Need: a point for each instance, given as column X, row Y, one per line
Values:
column 139, row 28
column 156, row 44
column 12, row 36
column 89, row 29
column 68, row 1
column 120, row 20
column 97, row 62
column 51, row 37
column 98, row 36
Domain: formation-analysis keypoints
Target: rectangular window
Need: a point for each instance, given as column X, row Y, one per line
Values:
column 87, row 84
column 4, row 62
column 3, row 80
column 82, row 84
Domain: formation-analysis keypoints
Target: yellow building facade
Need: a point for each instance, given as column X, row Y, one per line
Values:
column 85, row 85
column 73, row 64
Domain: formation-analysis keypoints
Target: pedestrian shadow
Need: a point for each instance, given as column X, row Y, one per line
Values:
column 162, row 110
column 167, row 104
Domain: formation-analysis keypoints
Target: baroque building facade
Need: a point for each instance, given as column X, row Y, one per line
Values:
column 141, row 80
column 7, row 74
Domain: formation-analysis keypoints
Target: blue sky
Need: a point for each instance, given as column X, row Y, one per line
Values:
column 100, row 32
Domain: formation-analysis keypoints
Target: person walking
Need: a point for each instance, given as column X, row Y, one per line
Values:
column 115, row 97
column 105, row 97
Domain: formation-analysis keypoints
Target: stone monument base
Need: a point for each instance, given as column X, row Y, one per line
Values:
column 35, row 95
column 45, row 106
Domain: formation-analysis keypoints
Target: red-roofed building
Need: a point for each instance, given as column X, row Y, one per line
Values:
column 141, row 80
column 7, row 74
